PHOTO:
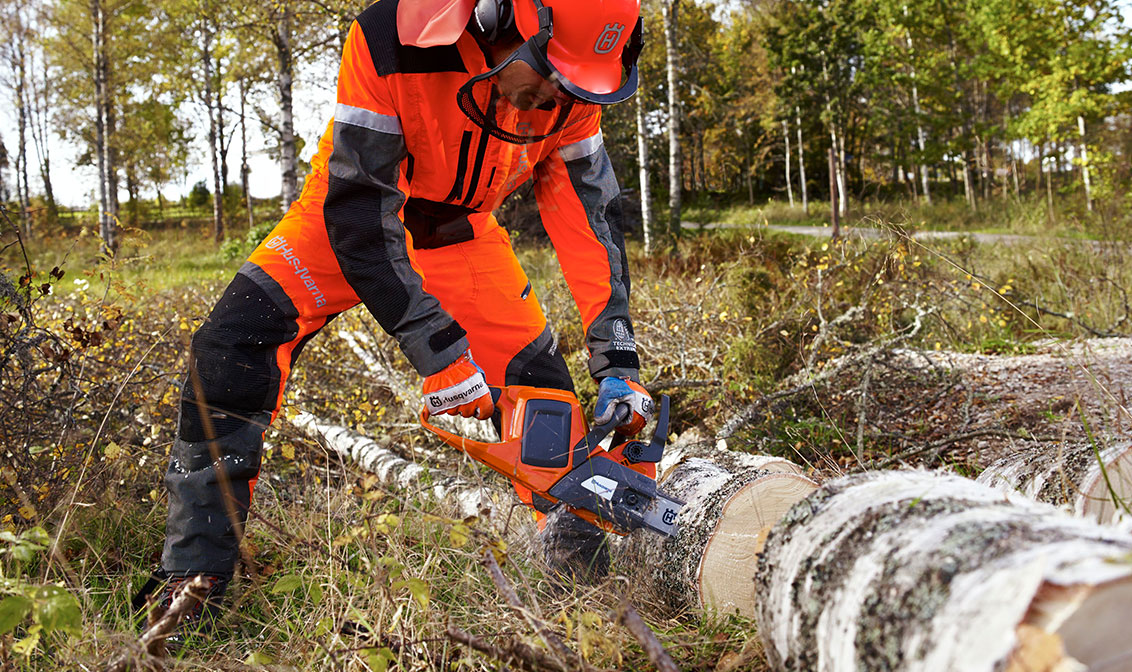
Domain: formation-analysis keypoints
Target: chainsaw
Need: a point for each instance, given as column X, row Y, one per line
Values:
column 547, row 450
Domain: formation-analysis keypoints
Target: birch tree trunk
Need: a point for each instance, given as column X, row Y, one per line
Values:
column 672, row 68
column 108, row 224
column 1084, row 149
column 921, row 140
column 801, row 162
column 643, row 173
column 245, row 170
column 40, row 129
column 23, row 188
column 842, row 177
column 469, row 498
column 1071, row 477
column 211, row 104
column 923, row 572
column 786, row 137
column 732, row 502
column 288, row 149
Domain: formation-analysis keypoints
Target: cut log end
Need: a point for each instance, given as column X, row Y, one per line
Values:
column 730, row 559
column 1071, row 477
column 1091, row 622
column 1108, row 500
column 1040, row 651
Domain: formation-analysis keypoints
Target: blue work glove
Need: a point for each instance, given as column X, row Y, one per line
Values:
column 612, row 392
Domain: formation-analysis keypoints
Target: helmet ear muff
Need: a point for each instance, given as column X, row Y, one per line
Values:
column 495, row 19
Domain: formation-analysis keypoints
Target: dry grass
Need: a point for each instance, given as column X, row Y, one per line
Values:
column 347, row 575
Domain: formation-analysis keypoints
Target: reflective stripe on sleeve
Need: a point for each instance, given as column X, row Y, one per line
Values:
column 581, row 148
column 357, row 116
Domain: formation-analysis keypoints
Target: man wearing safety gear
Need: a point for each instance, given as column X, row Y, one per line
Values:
column 444, row 107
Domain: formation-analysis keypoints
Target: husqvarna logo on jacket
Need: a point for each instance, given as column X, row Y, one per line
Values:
column 609, row 38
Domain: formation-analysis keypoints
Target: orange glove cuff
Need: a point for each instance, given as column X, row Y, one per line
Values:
column 458, row 389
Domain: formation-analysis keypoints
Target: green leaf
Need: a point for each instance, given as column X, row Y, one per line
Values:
column 27, row 645
column 316, row 593
column 13, row 610
column 258, row 658
column 458, row 535
column 287, row 584
column 419, row 590
column 36, row 536
column 324, row 626
column 57, row 610
column 378, row 659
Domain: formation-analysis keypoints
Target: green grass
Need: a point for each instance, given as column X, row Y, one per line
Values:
column 1029, row 216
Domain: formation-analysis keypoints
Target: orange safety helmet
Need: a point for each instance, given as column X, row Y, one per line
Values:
column 591, row 55
column 593, row 47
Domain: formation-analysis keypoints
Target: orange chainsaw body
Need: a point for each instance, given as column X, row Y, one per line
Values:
column 543, row 432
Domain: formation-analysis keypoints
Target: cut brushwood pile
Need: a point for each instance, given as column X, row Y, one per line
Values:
column 924, row 408
column 906, row 570
column 1090, row 481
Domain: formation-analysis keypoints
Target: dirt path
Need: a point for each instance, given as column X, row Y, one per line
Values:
column 876, row 233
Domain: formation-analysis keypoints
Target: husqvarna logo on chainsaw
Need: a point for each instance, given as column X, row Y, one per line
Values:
column 609, row 38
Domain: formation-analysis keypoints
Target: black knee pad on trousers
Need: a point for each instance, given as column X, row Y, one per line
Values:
column 234, row 354
column 540, row 364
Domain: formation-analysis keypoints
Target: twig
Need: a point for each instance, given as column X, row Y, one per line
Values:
column 508, row 591
column 152, row 640
column 682, row 383
column 515, row 653
column 955, row 438
column 832, row 369
column 627, row 616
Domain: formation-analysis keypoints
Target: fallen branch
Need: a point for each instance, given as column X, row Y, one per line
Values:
column 627, row 616
column 508, row 591
column 152, row 641
column 515, row 653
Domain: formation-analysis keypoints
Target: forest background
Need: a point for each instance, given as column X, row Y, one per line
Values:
column 1007, row 117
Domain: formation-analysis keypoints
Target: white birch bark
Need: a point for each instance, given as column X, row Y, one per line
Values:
column 672, row 67
column 801, row 162
column 921, row 136
column 1085, row 177
column 643, row 162
column 842, row 178
column 245, row 170
column 786, row 137
column 108, row 225
column 19, row 64
column 1071, row 477
column 924, row 572
column 212, row 105
column 469, row 497
column 288, row 147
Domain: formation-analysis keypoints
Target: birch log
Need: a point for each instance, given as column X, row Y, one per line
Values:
column 1071, row 476
column 732, row 501
column 922, row 572
column 470, row 498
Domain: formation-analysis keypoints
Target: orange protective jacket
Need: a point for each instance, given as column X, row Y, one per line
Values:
column 402, row 168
